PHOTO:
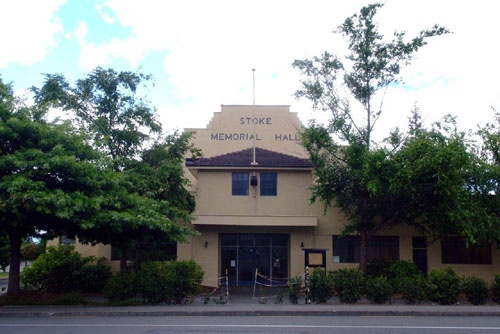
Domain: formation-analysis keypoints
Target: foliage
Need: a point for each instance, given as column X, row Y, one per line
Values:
column 106, row 105
column 294, row 287
column 399, row 273
column 148, row 205
column 444, row 286
column 152, row 282
column 30, row 251
column 495, row 289
column 348, row 284
column 349, row 174
column 413, row 289
column 159, row 282
column 438, row 178
column 121, row 287
column 184, row 280
column 49, row 178
column 475, row 289
column 378, row 290
column 378, row 267
column 41, row 298
column 62, row 269
column 321, row 286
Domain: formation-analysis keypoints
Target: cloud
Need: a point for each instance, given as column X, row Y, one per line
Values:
column 30, row 29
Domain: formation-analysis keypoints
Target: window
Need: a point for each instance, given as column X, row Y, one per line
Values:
column 64, row 240
column 347, row 249
column 454, row 251
column 240, row 184
column 268, row 184
column 162, row 251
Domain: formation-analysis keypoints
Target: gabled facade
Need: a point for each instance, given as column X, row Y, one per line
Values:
column 253, row 210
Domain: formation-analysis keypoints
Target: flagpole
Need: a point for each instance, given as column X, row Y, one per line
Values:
column 253, row 121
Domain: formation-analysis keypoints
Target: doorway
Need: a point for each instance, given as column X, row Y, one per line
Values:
column 243, row 253
column 420, row 254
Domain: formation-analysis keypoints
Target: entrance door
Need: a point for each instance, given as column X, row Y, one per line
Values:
column 244, row 254
column 420, row 254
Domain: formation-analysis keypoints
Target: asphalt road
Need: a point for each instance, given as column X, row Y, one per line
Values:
column 245, row 324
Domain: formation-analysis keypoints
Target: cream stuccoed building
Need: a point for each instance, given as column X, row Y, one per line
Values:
column 253, row 210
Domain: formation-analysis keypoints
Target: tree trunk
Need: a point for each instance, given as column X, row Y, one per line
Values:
column 363, row 250
column 14, row 288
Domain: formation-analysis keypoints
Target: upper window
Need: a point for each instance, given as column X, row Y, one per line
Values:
column 347, row 249
column 240, row 184
column 64, row 240
column 268, row 184
column 455, row 251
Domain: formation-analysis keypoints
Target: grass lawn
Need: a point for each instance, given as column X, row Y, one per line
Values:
column 4, row 275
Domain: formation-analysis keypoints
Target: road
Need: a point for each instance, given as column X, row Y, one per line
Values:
column 230, row 324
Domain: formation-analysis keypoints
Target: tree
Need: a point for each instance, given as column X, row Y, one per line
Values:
column 490, row 182
column 347, row 167
column 122, row 125
column 47, row 177
column 442, row 185
column 107, row 106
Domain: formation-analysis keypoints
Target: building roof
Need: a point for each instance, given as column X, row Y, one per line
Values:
column 264, row 158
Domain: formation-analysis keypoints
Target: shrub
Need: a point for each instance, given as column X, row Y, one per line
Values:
column 378, row 290
column 378, row 267
column 348, row 284
column 413, row 288
column 294, row 286
column 61, row 269
column 170, row 283
column 495, row 289
column 475, row 289
column 399, row 272
column 320, row 285
column 93, row 278
column 152, row 282
column 444, row 286
column 121, row 287
column 183, row 280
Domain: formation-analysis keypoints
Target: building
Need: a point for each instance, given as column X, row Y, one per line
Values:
column 253, row 209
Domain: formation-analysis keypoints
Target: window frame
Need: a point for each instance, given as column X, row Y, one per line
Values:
column 377, row 246
column 454, row 251
column 268, row 186
column 240, row 187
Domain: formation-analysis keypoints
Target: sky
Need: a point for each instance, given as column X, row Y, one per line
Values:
column 201, row 53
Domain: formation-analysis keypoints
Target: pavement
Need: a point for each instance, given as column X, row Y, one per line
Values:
column 243, row 303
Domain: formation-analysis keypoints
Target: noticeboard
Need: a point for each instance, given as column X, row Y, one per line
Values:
column 315, row 257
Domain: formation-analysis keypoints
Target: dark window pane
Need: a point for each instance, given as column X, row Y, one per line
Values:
column 280, row 240
column 455, row 251
column 348, row 248
column 228, row 239
column 419, row 242
column 240, row 184
column 268, row 184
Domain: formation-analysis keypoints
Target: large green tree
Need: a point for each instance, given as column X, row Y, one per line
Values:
column 442, row 185
column 109, row 106
column 47, row 177
column 348, row 168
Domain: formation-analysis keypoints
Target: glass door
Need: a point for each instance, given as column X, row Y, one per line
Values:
column 243, row 254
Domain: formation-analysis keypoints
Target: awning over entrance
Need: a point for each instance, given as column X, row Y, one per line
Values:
column 255, row 220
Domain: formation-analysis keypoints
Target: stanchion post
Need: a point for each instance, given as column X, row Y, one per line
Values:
column 255, row 281
column 306, row 280
column 227, row 287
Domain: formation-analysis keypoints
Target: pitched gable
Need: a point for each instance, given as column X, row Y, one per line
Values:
column 244, row 158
